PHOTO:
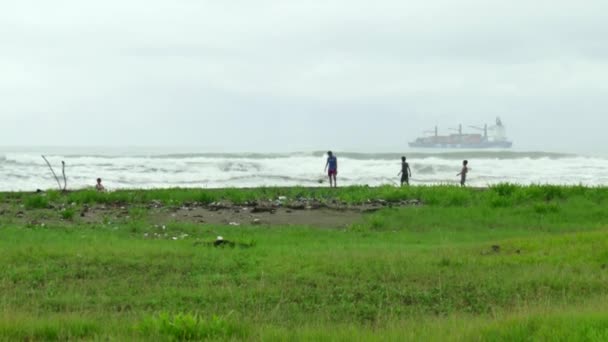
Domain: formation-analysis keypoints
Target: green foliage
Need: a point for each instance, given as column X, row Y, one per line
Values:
column 504, row 189
column 499, row 195
column 571, row 328
column 68, row 213
column 137, row 213
column 546, row 208
column 508, row 263
column 58, row 329
column 190, row 327
column 36, row 202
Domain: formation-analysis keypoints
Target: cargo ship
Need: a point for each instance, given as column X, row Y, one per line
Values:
column 492, row 137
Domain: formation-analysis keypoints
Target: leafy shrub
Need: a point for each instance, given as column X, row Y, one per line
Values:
column 137, row 213
column 188, row 327
column 205, row 197
column 36, row 202
column 68, row 214
column 504, row 189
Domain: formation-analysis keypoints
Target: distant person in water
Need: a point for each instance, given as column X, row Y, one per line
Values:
column 405, row 173
column 332, row 169
column 463, row 172
column 99, row 186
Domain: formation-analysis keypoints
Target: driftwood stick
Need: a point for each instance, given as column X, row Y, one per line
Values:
column 65, row 179
column 53, row 171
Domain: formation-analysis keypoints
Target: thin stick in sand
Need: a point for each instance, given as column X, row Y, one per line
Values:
column 53, row 171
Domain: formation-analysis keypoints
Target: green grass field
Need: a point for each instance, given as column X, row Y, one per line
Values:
column 508, row 263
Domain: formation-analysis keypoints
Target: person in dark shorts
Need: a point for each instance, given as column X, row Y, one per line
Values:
column 405, row 173
column 332, row 169
column 463, row 172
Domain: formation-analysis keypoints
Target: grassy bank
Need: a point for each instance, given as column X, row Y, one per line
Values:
column 506, row 263
column 500, row 195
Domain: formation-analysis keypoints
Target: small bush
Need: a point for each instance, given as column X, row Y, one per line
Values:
column 504, row 189
column 188, row 327
column 205, row 197
column 138, row 213
column 36, row 202
column 68, row 214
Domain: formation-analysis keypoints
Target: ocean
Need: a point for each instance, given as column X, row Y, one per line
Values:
column 23, row 169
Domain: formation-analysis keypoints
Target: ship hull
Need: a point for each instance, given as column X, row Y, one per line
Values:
column 487, row 144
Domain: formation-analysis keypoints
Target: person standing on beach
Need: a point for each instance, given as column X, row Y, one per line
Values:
column 332, row 169
column 406, row 172
column 463, row 172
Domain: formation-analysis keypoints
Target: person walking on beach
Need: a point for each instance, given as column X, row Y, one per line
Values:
column 406, row 172
column 463, row 172
column 332, row 169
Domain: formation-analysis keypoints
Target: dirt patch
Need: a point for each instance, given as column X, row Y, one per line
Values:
column 323, row 218
column 310, row 213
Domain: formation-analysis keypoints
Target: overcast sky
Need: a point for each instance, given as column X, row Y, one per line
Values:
column 277, row 75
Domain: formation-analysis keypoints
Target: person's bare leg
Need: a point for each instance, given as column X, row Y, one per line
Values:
column 335, row 182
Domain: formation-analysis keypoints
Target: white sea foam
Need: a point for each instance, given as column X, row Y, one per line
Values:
column 27, row 171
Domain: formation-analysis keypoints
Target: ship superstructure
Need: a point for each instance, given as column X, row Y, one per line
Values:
column 491, row 137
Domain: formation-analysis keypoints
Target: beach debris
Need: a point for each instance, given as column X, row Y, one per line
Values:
column 220, row 241
column 85, row 209
column 236, row 224
column 412, row 202
column 155, row 204
column 263, row 209
column 65, row 179
column 256, row 221
column 303, row 203
column 296, row 206
column 220, row 205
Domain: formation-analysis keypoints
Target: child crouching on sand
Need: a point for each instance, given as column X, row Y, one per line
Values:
column 99, row 187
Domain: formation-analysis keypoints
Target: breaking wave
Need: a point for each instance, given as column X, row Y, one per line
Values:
column 25, row 171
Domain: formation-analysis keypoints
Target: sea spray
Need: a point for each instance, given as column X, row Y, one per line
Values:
column 26, row 171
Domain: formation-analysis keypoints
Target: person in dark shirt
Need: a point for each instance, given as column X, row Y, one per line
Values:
column 405, row 173
column 463, row 172
column 332, row 169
